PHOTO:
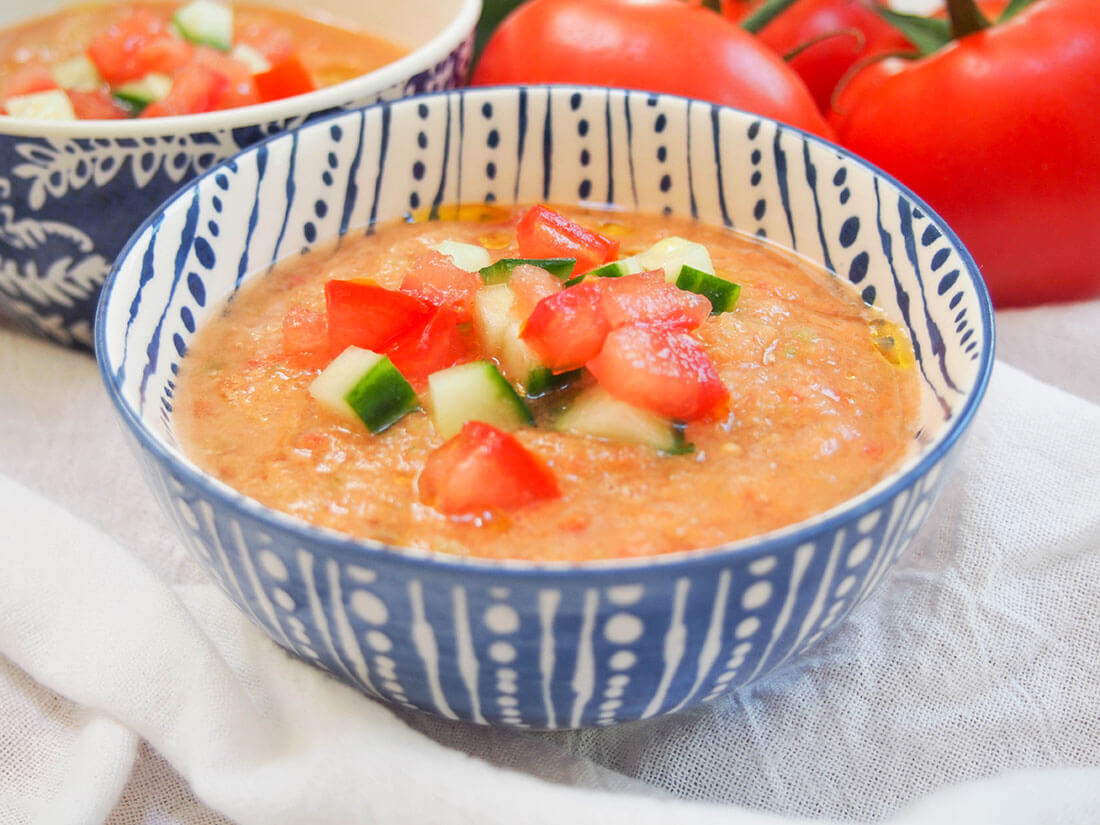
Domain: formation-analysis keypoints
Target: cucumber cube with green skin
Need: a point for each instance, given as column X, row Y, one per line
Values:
column 615, row 269
column 145, row 90
column 497, row 329
column 77, row 73
column 207, row 23
column 51, row 105
column 721, row 293
column 598, row 414
column 467, row 256
column 500, row 272
column 671, row 254
column 365, row 386
column 475, row 391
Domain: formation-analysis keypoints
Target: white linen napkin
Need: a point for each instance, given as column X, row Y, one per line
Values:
column 967, row 689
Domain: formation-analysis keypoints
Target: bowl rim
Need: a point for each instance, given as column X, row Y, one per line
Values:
column 363, row 551
column 461, row 26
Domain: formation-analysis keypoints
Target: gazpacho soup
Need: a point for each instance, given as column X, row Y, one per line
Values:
column 549, row 384
column 154, row 59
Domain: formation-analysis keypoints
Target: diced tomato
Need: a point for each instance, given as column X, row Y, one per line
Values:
column 275, row 43
column 304, row 330
column 363, row 314
column 530, row 284
column 436, row 280
column 481, row 470
column 649, row 298
column 661, row 369
column 195, row 88
column 95, row 105
column 544, row 233
column 238, row 88
column 568, row 328
column 27, row 79
column 287, row 78
column 436, row 345
column 165, row 55
column 116, row 51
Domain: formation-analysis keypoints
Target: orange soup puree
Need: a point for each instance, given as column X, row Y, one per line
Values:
column 817, row 402
column 269, row 53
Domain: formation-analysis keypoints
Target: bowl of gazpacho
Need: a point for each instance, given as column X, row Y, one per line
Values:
column 546, row 406
column 106, row 108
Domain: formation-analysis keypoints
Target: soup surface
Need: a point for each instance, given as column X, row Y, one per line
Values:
column 817, row 401
column 155, row 59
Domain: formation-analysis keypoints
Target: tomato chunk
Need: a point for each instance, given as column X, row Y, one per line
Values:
column 484, row 469
column 363, row 314
column 26, row 80
column 284, row 79
column 237, row 88
column 436, row 345
column 649, row 298
column 137, row 44
column 530, row 284
column 568, row 328
column 436, row 280
column 194, row 89
column 660, row 368
column 544, row 233
column 95, row 105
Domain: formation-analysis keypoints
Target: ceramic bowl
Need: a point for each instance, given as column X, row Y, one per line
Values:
column 71, row 193
column 543, row 645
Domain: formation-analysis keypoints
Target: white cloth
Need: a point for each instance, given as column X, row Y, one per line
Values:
column 967, row 689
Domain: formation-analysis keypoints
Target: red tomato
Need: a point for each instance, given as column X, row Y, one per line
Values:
column 435, row 280
column 436, row 345
column 568, row 328
column 649, row 298
column 285, row 79
column 659, row 45
column 529, row 285
column 363, row 314
column 26, row 80
column 998, row 132
column 96, row 105
column 195, row 88
column 831, row 36
column 481, row 470
column 117, row 51
column 544, row 233
column 237, row 87
column 661, row 369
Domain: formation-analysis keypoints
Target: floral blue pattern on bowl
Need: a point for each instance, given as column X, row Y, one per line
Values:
column 516, row 643
column 72, row 193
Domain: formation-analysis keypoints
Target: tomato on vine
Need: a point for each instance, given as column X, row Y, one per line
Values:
column 997, row 130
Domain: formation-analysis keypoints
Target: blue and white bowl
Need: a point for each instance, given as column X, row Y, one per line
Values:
column 71, row 193
column 513, row 643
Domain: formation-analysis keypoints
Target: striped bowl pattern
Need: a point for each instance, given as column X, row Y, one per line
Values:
column 542, row 646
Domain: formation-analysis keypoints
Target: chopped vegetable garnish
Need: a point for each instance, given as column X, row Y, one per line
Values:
column 721, row 293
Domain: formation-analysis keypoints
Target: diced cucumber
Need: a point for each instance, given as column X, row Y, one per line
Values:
column 671, row 254
column 207, row 22
column 595, row 412
column 500, row 271
column 51, row 105
column 77, row 73
column 721, row 293
column 498, row 330
column 363, row 385
column 466, row 256
column 143, row 91
column 250, row 57
column 475, row 391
